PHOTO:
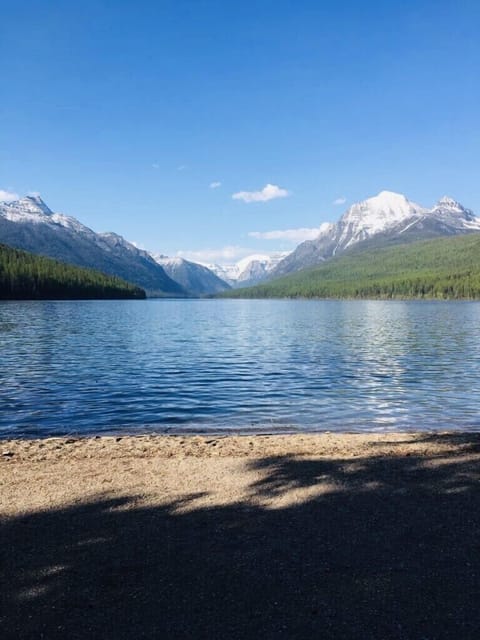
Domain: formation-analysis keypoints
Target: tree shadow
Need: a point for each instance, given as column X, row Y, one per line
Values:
column 381, row 547
column 463, row 442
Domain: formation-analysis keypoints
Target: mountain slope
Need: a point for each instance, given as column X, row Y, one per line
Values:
column 30, row 225
column 25, row 276
column 441, row 268
column 388, row 218
column 195, row 278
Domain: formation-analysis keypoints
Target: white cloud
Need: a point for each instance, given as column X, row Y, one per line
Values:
column 269, row 192
column 230, row 253
column 215, row 185
column 8, row 196
column 181, row 167
column 290, row 235
column 155, row 165
column 340, row 200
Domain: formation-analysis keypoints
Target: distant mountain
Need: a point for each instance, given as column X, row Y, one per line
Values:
column 26, row 276
column 29, row 224
column 248, row 271
column 195, row 278
column 442, row 268
column 388, row 218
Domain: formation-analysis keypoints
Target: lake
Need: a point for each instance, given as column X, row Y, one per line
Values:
column 213, row 366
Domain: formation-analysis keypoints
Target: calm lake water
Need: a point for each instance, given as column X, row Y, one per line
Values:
column 234, row 365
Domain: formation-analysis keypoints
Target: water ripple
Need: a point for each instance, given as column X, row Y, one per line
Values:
column 200, row 366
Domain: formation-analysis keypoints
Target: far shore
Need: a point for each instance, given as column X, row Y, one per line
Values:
column 279, row 536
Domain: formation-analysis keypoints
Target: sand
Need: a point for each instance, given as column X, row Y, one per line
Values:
column 296, row 536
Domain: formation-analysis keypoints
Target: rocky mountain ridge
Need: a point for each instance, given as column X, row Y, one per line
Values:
column 386, row 218
column 29, row 224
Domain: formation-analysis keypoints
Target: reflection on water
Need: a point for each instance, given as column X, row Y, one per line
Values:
column 200, row 365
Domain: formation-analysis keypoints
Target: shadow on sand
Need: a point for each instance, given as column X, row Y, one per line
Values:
column 391, row 550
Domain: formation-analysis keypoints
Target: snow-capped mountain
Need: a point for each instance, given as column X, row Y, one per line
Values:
column 386, row 218
column 31, row 225
column 452, row 213
column 195, row 278
column 30, row 208
column 375, row 215
column 248, row 271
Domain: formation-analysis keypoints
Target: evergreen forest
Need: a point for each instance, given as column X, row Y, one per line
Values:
column 24, row 276
column 444, row 269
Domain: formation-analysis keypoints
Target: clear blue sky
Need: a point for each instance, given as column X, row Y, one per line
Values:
column 124, row 113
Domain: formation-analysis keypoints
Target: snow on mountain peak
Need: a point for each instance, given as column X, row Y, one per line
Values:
column 449, row 210
column 34, row 204
column 27, row 209
column 391, row 203
column 446, row 201
column 256, row 257
column 251, row 269
column 375, row 215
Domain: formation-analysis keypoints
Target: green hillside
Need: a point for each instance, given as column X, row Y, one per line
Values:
column 24, row 276
column 446, row 268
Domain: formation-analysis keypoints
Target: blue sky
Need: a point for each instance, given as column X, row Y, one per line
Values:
column 124, row 114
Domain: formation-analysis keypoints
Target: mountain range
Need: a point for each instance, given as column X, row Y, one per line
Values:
column 195, row 278
column 446, row 268
column 248, row 271
column 386, row 219
column 30, row 225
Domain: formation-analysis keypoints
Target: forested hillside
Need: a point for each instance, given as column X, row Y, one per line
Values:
column 30, row 225
column 446, row 268
column 24, row 276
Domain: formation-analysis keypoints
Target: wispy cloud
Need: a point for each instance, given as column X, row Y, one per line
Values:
column 290, row 235
column 339, row 201
column 181, row 167
column 269, row 192
column 155, row 165
column 8, row 196
column 215, row 185
column 229, row 253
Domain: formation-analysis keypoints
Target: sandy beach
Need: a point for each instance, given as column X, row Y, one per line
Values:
column 291, row 536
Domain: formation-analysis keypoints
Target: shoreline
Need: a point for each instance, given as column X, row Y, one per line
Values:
column 231, row 444
column 294, row 434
